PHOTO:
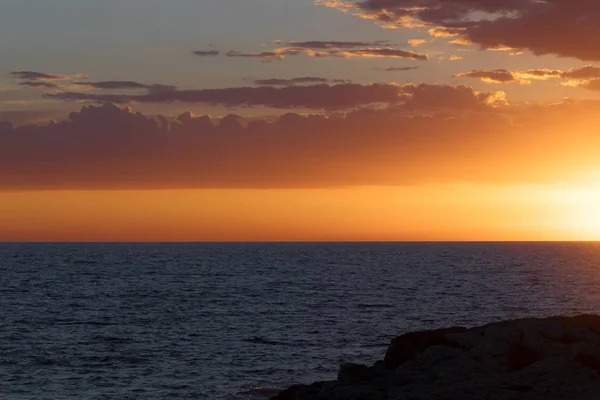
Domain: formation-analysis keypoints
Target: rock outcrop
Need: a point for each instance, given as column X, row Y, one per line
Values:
column 555, row 358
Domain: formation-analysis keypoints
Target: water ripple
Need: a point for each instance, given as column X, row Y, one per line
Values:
column 225, row 321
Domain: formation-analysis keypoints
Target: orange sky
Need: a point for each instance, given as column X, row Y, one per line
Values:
column 336, row 120
column 429, row 213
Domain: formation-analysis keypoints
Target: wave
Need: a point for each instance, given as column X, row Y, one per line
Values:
column 84, row 262
column 110, row 339
column 262, row 340
column 93, row 323
column 48, row 361
column 375, row 305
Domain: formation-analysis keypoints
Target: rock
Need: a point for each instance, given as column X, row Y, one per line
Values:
column 521, row 356
column 554, row 358
column 354, row 373
column 406, row 347
column 301, row 392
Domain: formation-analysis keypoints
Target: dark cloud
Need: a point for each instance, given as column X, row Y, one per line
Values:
column 316, row 97
column 587, row 72
column 398, row 69
column 576, row 77
column 38, row 76
column 206, row 53
column 112, row 85
column 310, row 97
column 39, row 84
column 559, row 27
column 332, row 49
column 593, row 84
column 383, row 53
column 115, row 85
column 111, row 148
column 263, row 55
column 425, row 97
column 491, row 75
column 316, row 44
column 296, row 81
column 29, row 117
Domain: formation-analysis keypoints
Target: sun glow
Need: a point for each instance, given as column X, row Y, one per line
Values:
column 582, row 211
column 424, row 213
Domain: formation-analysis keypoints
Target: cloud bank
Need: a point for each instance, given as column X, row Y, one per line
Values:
column 424, row 140
column 314, row 97
column 558, row 27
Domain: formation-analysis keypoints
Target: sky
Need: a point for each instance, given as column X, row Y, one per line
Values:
column 299, row 120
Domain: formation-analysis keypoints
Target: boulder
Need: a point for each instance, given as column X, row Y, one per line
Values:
column 350, row 374
column 555, row 358
column 406, row 347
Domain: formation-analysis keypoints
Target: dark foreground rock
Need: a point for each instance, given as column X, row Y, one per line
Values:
column 554, row 358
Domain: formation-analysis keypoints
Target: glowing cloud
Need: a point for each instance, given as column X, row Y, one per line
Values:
column 574, row 77
column 492, row 24
column 378, row 49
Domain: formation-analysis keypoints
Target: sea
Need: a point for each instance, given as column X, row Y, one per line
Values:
column 238, row 321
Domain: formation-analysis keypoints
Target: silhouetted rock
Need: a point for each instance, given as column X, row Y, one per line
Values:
column 406, row 347
column 555, row 358
column 355, row 373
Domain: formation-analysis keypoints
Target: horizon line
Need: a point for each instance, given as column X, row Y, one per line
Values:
column 307, row 242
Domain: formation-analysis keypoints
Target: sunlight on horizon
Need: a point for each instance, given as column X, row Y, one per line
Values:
column 582, row 210
column 454, row 212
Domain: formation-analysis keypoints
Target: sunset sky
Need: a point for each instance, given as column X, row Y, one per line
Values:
column 299, row 120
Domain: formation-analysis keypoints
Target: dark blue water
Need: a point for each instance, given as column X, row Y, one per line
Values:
column 214, row 321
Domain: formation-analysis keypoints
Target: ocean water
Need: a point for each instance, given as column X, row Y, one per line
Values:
column 216, row 321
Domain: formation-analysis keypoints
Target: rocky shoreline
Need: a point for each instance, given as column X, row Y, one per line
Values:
column 556, row 358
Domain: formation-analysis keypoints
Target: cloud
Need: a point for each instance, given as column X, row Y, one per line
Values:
column 423, row 97
column 39, row 84
column 318, row 44
column 379, row 53
column 43, row 77
column 587, row 72
column 107, row 147
column 397, row 69
column 417, row 42
column 38, row 76
column 315, row 97
column 491, row 76
column 587, row 77
column 492, row 24
column 112, row 85
column 593, row 84
column 206, row 53
column 41, row 80
column 311, row 97
column 296, row 81
column 378, row 49
column 442, row 32
column 117, row 85
column 30, row 117
column 461, row 42
column 263, row 55
column 539, row 74
column 576, row 77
